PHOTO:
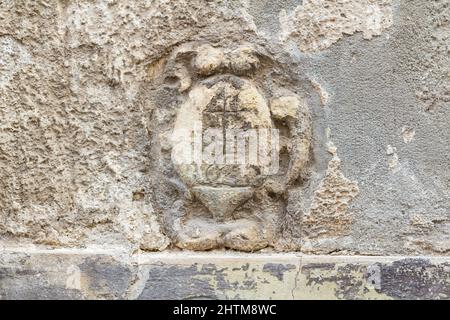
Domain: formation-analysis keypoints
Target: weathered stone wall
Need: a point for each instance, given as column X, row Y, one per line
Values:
column 90, row 92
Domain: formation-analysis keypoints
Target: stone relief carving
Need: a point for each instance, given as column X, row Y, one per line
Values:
column 229, row 143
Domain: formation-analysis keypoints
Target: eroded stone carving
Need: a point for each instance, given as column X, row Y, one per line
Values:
column 235, row 140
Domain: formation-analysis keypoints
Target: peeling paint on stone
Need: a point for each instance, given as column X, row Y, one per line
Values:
column 215, row 275
column 316, row 24
column 277, row 270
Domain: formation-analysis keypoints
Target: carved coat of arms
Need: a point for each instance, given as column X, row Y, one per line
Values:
column 230, row 142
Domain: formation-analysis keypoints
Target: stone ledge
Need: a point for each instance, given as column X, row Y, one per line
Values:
column 113, row 274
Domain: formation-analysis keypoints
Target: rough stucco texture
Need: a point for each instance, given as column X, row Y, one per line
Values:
column 77, row 99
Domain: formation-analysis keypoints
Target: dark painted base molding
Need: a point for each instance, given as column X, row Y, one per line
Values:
column 113, row 274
